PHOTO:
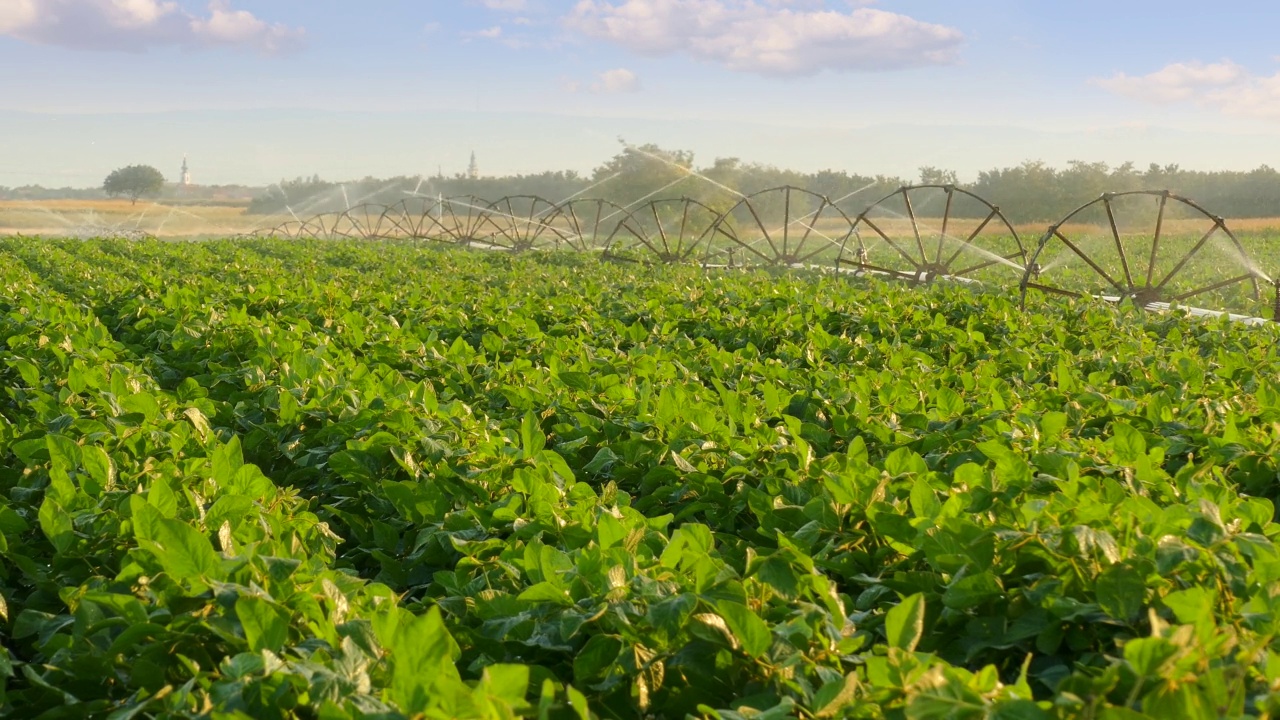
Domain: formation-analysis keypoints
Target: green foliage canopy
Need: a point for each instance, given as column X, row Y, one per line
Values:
column 133, row 182
column 265, row 479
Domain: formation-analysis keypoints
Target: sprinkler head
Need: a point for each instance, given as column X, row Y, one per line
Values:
column 1036, row 270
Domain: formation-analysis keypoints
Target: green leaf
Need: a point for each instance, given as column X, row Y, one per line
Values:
column 184, row 552
column 671, row 614
column 546, row 592
column 99, row 467
column 532, row 441
column 1147, row 656
column 924, row 501
column 1052, row 424
column 190, row 389
column 1193, row 606
column 949, row 402
column 971, row 591
column 355, row 466
column 142, row 403
column 64, row 453
column 162, row 498
column 1066, row 377
column 836, row 695
column 1010, row 467
column 609, row 531
column 603, row 460
column 509, row 683
column 199, row 422
column 56, row 524
column 575, row 380
column 1018, row 710
column 747, row 627
column 578, row 702
column 266, row 627
column 1127, row 443
column 1121, row 591
column 227, row 459
column 904, row 624
column 28, row 371
column 598, row 655
column 422, row 654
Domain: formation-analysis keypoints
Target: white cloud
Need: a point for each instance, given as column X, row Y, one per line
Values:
column 619, row 80
column 134, row 25
column 1225, row 86
column 1175, row 82
column 773, row 37
column 15, row 14
column 225, row 26
column 504, row 5
column 609, row 82
column 516, row 41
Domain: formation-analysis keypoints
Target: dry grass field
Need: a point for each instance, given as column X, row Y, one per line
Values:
column 79, row 218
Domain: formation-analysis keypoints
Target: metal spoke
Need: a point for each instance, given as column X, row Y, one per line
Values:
column 1187, row 258
column 891, row 243
column 915, row 226
column 751, row 208
column 946, row 219
column 1155, row 240
column 1090, row 261
column 786, row 224
column 1115, row 233
column 814, row 217
column 1211, row 288
column 684, row 223
column 1054, row 290
column 973, row 235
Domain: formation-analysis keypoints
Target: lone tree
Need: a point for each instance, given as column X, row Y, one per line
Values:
column 134, row 182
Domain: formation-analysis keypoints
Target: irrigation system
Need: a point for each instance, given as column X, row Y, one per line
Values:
column 1153, row 248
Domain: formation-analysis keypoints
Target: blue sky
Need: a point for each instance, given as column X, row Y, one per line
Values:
column 259, row 90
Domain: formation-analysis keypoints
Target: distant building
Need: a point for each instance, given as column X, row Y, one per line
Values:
column 185, row 177
column 473, row 170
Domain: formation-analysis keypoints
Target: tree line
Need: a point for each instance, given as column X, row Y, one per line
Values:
column 1030, row 192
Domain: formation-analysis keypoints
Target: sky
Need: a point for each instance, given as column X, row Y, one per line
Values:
column 255, row 91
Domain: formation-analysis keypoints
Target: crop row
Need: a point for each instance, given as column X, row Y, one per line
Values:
column 272, row 479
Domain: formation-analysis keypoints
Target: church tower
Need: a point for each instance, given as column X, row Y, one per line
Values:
column 186, row 174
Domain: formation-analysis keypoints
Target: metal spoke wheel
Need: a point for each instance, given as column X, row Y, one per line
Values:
column 665, row 231
column 921, row 233
column 288, row 229
column 411, row 218
column 362, row 222
column 519, row 223
column 464, row 220
column 312, row 228
column 587, row 225
column 1151, row 247
column 783, row 226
